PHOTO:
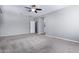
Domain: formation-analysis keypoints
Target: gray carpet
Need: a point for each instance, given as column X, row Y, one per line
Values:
column 34, row 43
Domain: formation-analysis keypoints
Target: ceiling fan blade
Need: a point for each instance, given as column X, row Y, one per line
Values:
column 38, row 9
column 35, row 11
column 30, row 10
column 28, row 7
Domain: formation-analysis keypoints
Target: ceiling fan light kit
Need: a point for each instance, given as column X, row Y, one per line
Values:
column 33, row 8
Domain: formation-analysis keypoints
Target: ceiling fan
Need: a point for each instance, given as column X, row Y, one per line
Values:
column 33, row 8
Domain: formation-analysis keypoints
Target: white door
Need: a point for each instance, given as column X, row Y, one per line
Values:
column 32, row 26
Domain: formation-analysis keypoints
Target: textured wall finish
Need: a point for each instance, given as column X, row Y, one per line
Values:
column 12, row 23
column 63, row 23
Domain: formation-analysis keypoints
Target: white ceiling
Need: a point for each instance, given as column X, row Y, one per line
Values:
column 21, row 10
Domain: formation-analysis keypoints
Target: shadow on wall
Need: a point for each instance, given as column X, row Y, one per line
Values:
column 1, row 21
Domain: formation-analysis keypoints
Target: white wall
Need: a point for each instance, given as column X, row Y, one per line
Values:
column 13, row 23
column 63, row 23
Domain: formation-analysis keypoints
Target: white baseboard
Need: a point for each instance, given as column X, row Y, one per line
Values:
column 63, row 38
column 13, row 34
